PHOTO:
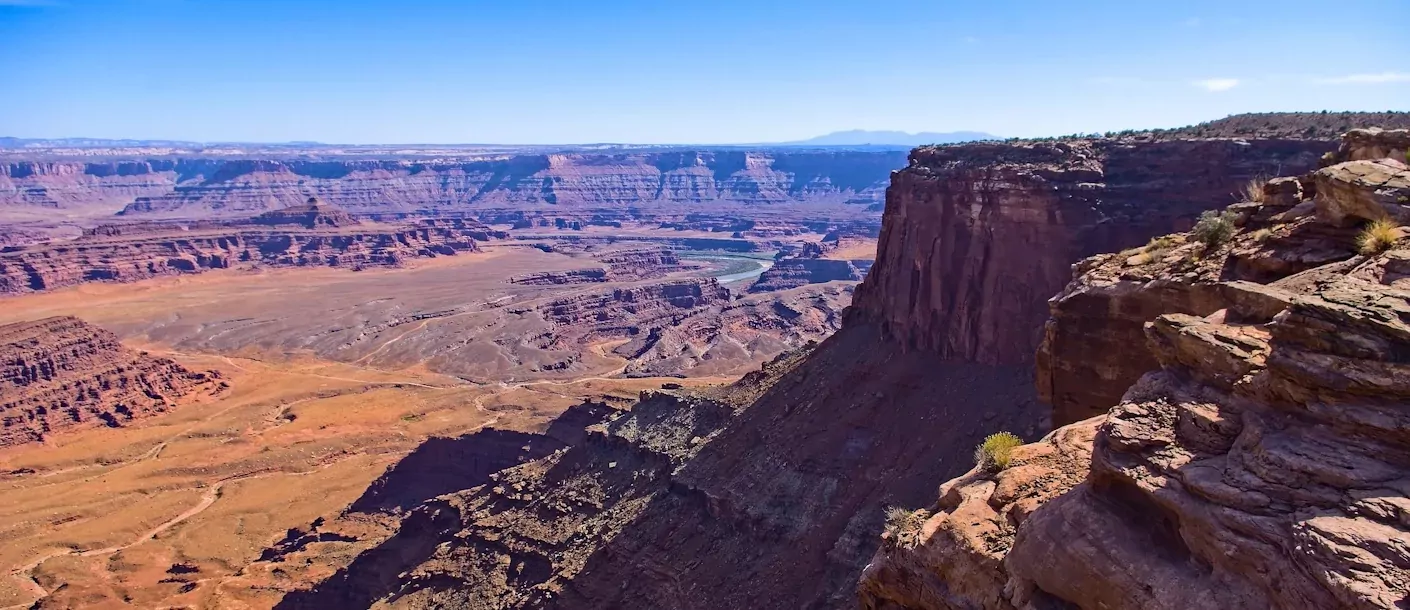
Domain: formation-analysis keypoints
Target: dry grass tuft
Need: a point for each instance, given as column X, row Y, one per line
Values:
column 1253, row 189
column 903, row 526
column 996, row 450
column 1378, row 236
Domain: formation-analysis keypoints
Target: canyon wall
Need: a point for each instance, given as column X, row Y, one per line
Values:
column 1257, row 457
column 131, row 253
column 215, row 187
column 976, row 237
column 61, row 373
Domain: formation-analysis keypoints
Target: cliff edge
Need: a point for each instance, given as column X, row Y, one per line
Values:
column 1258, row 457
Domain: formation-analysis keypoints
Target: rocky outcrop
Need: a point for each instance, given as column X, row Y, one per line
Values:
column 621, row 265
column 137, row 252
column 61, row 374
column 624, row 312
column 1374, row 143
column 976, row 237
column 1082, row 367
column 795, row 272
column 314, row 214
column 437, row 467
column 1257, row 461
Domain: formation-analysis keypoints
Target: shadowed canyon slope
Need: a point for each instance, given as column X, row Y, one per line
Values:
column 1258, row 458
column 770, row 494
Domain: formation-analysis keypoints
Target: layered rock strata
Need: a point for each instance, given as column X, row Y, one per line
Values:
column 206, row 187
column 619, row 265
column 976, row 237
column 130, row 253
column 62, row 374
column 795, row 272
column 1258, row 461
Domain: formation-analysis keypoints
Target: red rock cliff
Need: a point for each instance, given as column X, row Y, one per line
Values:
column 976, row 237
column 1258, row 456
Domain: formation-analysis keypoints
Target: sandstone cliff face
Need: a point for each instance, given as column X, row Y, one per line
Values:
column 1258, row 462
column 125, row 255
column 205, row 187
column 62, row 373
column 976, row 237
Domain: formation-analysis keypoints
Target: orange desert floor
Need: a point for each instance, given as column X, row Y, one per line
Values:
column 99, row 517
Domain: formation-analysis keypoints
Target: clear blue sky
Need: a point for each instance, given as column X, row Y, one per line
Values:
column 659, row 71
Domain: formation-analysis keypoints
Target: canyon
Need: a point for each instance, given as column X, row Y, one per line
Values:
column 594, row 404
column 685, row 500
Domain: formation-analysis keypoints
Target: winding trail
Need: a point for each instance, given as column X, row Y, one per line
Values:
column 25, row 573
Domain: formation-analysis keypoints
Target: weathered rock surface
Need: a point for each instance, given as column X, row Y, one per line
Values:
column 794, row 272
column 1083, row 364
column 1258, row 462
column 61, row 373
column 977, row 236
column 307, row 235
column 1375, row 143
column 1354, row 191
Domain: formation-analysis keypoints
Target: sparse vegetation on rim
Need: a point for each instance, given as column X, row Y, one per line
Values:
column 1253, row 189
column 902, row 529
column 997, row 450
column 1214, row 228
column 1378, row 236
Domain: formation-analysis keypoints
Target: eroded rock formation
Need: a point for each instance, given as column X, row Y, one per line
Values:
column 61, row 373
column 306, row 235
column 1258, row 460
column 977, row 237
column 624, row 264
column 794, row 272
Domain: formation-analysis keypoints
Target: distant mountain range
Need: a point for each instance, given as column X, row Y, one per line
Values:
column 853, row 138
column 862, row 137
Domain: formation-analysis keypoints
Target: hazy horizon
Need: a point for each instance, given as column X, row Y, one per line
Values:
column 732, row 72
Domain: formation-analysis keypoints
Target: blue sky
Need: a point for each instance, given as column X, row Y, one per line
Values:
column 659, row 71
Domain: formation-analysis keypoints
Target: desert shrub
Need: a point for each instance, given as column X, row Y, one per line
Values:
column 996, row 450
column 1214, row 228
column 903, row 526
column 1262, row 235
column 1377, row 236
column 1253, row 189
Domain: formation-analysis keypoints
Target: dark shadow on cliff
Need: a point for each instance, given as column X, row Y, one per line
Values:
column 784, row 507
column 438, row 466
